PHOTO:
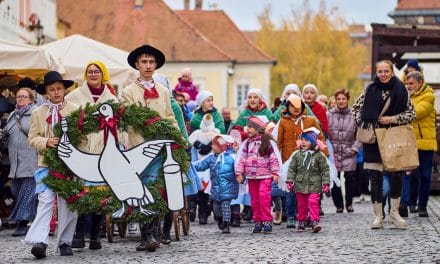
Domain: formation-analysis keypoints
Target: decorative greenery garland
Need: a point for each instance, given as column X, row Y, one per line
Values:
column 100, row 199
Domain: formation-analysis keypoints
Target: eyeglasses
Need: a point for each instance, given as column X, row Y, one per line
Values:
column 94, row 72
column 23, row 97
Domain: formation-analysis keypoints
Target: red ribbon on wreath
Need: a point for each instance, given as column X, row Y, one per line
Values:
column 110, row 124
column 152, row 120
column 75, row 197
column 59, row 175
column 103, row 203
column 81, row 121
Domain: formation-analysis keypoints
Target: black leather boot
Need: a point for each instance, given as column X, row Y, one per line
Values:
column 152, row 240
column 95, row 241
column 225, row 229
column 144, row 229
column 167, row 224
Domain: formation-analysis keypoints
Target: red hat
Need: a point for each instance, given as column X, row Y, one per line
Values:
column 259, row 123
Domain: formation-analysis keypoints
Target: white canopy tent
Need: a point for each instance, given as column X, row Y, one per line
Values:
column 74, row 52
column 25, row 60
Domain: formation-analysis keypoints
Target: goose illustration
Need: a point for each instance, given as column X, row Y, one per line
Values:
column 120, row 169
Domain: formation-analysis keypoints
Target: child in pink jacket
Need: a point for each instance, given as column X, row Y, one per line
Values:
column 258, row 163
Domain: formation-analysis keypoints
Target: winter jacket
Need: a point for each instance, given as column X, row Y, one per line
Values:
column 252, row 165
column 342, row 135
column 320, row 113
column 308, row 170
column 187, row 87
column 289, row 131
column 23, row 158
column 224, row 186
column 198, row 117
column 424, row 124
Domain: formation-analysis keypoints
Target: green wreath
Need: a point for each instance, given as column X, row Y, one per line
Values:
column 101, row 199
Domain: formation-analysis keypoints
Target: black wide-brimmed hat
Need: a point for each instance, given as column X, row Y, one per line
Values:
column 146, row 49
column 51, row 77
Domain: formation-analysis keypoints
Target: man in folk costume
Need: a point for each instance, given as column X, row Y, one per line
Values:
column 41, row 137
column 148, row 93
column 96, row 89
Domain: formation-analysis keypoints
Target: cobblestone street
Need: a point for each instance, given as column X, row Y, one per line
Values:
column 345, row 238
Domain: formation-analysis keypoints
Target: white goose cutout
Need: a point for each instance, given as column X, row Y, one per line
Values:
column 121, row 169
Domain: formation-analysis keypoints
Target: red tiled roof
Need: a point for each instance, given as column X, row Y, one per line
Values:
column 418, row 4
column 120, row 24
column 220, row 29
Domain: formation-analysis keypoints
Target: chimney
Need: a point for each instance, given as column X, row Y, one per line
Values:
column 199, row 4
column 186, row 4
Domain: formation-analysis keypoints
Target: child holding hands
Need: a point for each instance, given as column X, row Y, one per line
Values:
column 309, row 175
column 258, row 162
column 224, row 185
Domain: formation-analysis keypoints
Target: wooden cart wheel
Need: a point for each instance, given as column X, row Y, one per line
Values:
column 176, row 225
column 109, row 228
column 122, row 229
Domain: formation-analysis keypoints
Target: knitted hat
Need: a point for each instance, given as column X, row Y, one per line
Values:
column 102, row 67
column 311, row 135
column 413, row 64
column 258, row 122
column 223, row 142
column 186, row 72
column 291, row 87
column 26, row 82
column 294, row 100
column 202, row 96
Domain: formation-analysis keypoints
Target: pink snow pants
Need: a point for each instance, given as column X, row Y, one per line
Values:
column 259, row 190
column 308, row 202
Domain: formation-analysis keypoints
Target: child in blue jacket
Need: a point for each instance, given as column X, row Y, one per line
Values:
column 224, row 186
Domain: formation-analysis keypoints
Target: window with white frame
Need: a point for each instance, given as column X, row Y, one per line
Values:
column 242, row 90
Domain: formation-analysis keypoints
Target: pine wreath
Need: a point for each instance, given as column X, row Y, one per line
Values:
column 100, row 199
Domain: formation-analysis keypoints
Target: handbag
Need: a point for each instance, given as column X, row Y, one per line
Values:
column 398, row 148
column 365, row 133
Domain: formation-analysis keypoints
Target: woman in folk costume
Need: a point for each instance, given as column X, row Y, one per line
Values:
column 310, row 96
column 255, row 104
column 96, row 89
column 367, row 111
column 41, row 137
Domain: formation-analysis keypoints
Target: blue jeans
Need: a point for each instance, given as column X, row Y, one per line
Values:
column 386, row 187
column 424, row 174
column 290, row 204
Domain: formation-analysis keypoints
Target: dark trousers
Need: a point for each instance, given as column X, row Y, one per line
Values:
column 361, row 181
column 88, row 223
column 376, row 178
column 349, row 189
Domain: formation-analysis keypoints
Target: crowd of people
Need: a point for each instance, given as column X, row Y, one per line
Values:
column 272, row 164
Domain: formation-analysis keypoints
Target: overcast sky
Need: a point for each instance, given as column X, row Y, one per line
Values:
column 244, row 12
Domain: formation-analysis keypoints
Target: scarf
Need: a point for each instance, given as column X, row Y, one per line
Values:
column 150, row 91
column 53, row 113
column 374, row 102
column 19, row 112
column 96, row 92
